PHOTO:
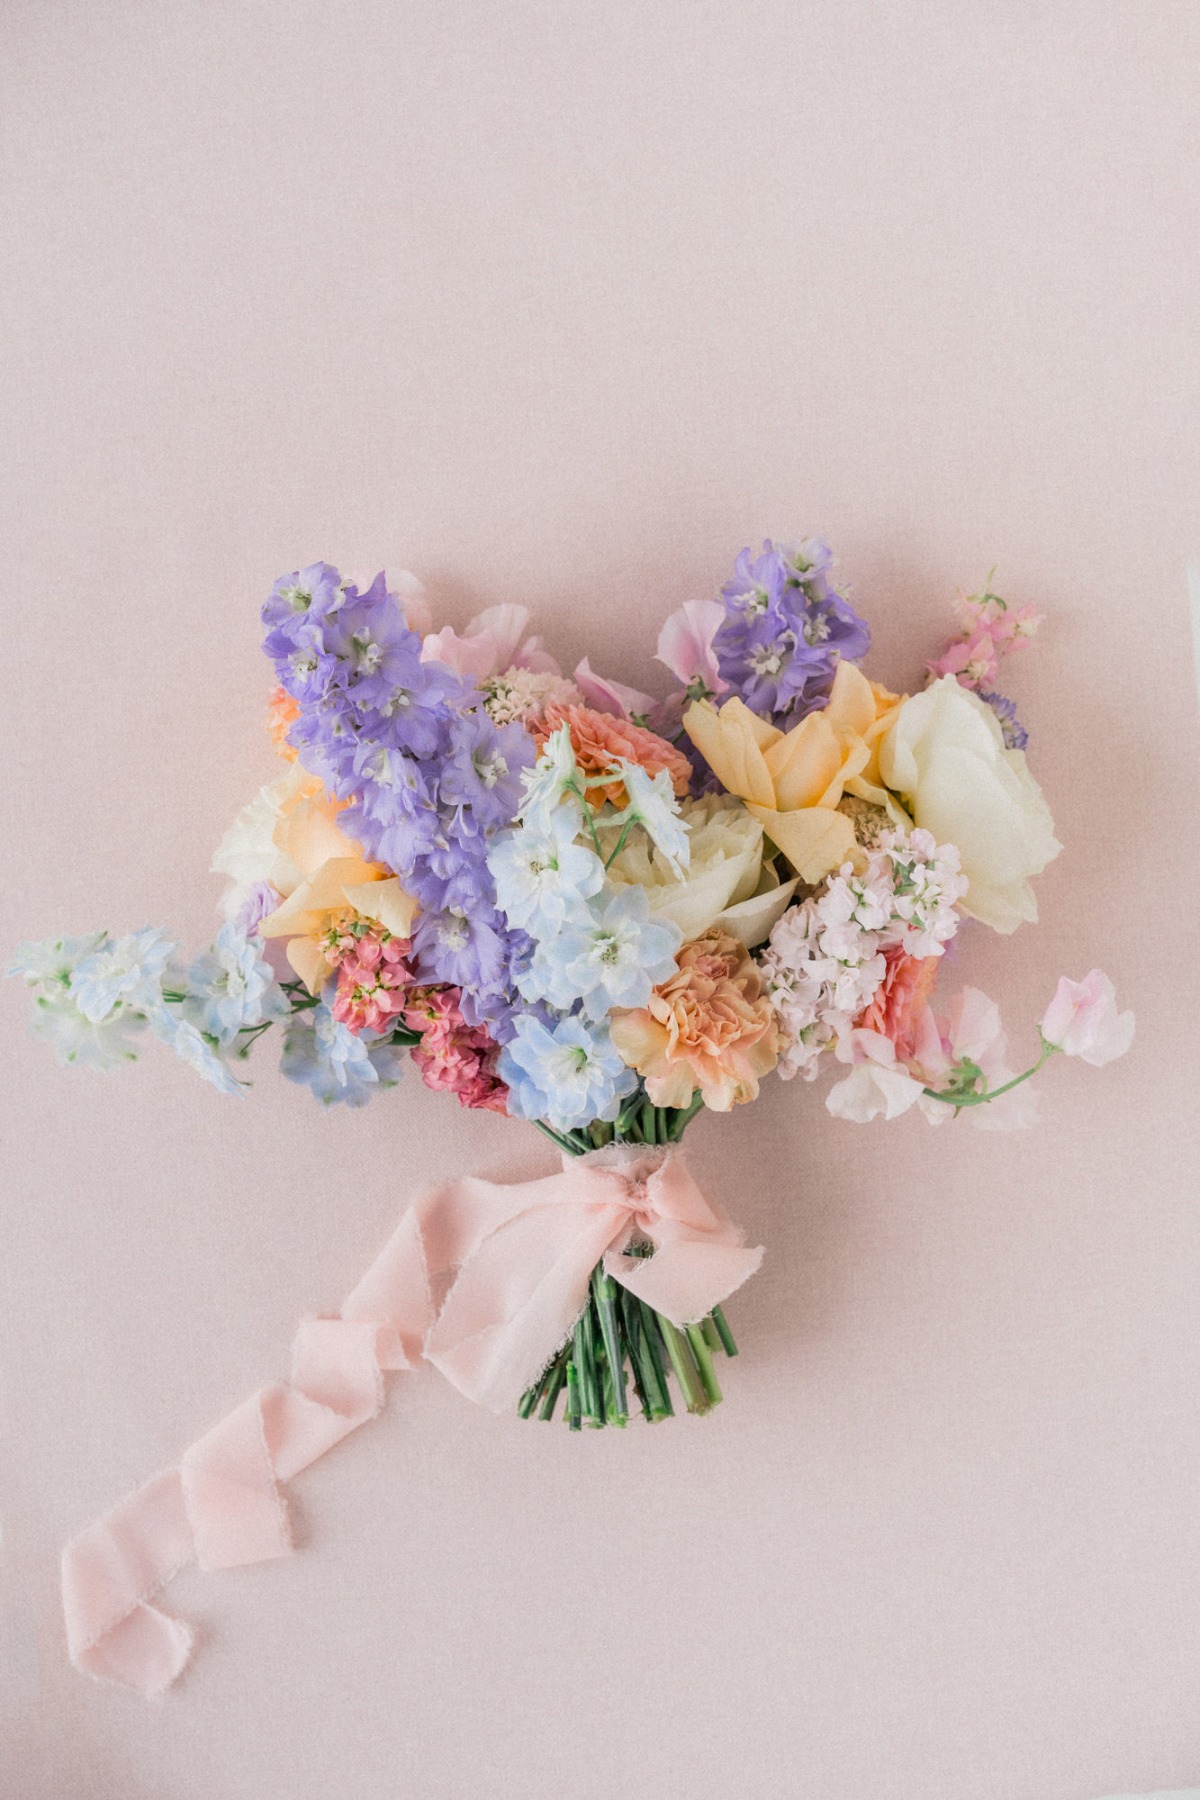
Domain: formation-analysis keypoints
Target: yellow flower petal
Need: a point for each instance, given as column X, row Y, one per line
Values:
column 308, row 960
column 732, row 742
column 386, row 902
column 803, row 763
column 815, row 839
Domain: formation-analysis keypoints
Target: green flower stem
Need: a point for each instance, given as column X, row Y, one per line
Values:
column 698, row 1344
column 958, row 1101
column 531, row 1396
column 557, row 1137
column 554, row 1386
column 712, row 1336
column 685, row 1369
column 683, row 1118
column 645, row 1334
column 591, row 1393
column 723, row 1332
column 626, row 1118
column 574, row 1402
column 614, row 1410
column 629, row 1334
column 604, row 1299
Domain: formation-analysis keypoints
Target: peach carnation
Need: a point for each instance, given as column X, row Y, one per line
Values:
column 282, row 711
column 900, row 1000
column 599, row 739
column 711, row 1026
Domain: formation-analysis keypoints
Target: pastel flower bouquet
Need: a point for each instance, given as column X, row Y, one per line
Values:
column 578, row 905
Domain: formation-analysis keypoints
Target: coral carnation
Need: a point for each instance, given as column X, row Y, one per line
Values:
column 900, row 999
column 711, row 1026
column 600, row 740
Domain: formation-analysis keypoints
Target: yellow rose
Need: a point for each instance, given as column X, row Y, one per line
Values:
column 334, row 878
column 792, row 781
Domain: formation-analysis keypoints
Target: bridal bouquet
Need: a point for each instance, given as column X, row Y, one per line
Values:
column 576, row 904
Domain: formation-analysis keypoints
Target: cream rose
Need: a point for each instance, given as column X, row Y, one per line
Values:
column 944, row 756
column 249, row 852
column 725, row 882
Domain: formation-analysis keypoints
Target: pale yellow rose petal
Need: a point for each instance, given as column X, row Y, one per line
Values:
column 814, row 840
column 803, row 763
column 852, row 705
column 386, row 902
column 751, row 921
column 732, row 742
column 309, row 963
column 311, row 836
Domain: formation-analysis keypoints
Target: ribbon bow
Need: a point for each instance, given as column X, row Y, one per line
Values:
column 511, row 1265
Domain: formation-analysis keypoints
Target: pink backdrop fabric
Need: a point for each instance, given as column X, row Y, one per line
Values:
column 564, row 305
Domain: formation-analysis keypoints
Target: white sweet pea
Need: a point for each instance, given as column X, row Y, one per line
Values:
column 876, row 1086
column 945, row 757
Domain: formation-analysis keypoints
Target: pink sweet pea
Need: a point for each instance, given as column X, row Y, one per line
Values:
column 493, row 642
column 971, row 1032
column 611, row 697
column 685, row 644
column 1082, row 1020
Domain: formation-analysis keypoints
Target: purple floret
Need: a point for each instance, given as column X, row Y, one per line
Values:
column 785, row 629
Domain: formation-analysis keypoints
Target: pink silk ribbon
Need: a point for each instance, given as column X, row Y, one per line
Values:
column 484, row 1281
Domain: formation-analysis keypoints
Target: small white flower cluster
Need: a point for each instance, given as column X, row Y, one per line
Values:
column 521, row 695
column 826, row 958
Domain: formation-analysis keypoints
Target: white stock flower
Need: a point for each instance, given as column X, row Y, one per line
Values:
column 945, row 757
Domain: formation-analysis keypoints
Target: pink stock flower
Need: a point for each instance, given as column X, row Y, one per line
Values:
column 372, row 979
column 454, row 1057
column 973, row 659
column 1082, row 1020
column 495, row 640
column 685, row 645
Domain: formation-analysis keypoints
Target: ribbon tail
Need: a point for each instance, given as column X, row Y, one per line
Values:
column 222, row 1507
column 109, row 1573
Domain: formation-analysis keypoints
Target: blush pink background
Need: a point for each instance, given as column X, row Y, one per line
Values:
column 564, row 304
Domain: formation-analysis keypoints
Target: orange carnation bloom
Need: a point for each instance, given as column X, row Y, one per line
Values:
column 599, row 739
column 711, row 1027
